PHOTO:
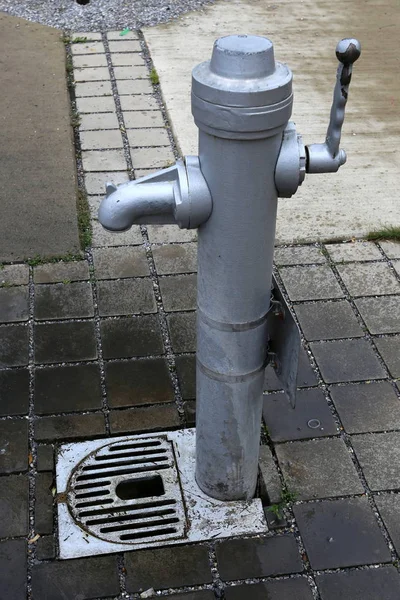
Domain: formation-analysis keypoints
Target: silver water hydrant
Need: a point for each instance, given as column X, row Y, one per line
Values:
column 249, row 155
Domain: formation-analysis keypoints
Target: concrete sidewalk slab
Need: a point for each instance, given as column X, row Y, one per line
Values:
column 37, row 162
column 363, row 195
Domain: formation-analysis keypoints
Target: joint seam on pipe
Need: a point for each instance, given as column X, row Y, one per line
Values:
column 221, row 326
column 231, row 378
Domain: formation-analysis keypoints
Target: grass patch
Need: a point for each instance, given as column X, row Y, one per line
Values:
column 79, row 40
column 75, row 118
column 69, row 67
column 287, row 498
column 386, row 233
column 84, row 221
column 154, row 78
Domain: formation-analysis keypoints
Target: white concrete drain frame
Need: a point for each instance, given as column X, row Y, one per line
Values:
column 199, row 517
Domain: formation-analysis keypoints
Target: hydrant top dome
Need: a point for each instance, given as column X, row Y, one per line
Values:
column 242, row 72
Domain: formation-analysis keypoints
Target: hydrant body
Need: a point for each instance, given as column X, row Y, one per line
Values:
column 249, row 154
column 241, row 102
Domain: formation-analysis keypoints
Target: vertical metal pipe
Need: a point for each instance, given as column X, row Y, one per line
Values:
column 238, row 151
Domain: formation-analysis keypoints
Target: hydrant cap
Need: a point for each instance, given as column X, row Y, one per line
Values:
column 242, row 72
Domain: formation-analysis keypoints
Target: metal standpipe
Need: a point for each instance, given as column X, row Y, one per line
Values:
column 249, row 154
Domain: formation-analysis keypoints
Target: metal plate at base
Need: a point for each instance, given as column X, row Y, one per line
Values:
column 196, row 517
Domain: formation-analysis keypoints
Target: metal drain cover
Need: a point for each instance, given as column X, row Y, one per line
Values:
column 127, row 492
column 140, row 491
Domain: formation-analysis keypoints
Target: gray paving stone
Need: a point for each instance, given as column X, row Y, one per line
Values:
column 14, row 345
column 132, row 383
column 89, row 36
column 69, row 427
column 199, row 595
column 93, row 88
column 61, row 271
column 318, row 469
column 14, row 304
column 13, row 569
column 143, row 118
column 45, row 457
column 125, row 297
column 44, row 483
column 89, row 60
column 131, row 72
column 14, row 493
column 125, row 59
column 260, row 557
column 116, row 35
column 102, row 238
column 175, row 258
column 389, row 509
column 311, row 418
column 369, row 279
column 67, row 389
column 310, row 283
column 155, row 136
column 396, row 265
column 95, row 140
column 94, row 204
column 354, row 251
column 298, row 255
column 367, row 406
column 389, row 349
column 13, row 446
column 118, row 263
column 88, row 48
column 14, row 275
column 131, row 336
column 104, row 160
column 94, row 577
column 270, row 475
column 165, row 234
column 368, row 584
column 163, row 568
column 305, row 375
column 391, row 249
column 95, row 183
column 64, row 342
column 46, row 548
column 381, row 315
column 125, row 46
column 379, row 457
column 179, row 292
column 97, row 104
column 139, row 101
column 348, row 360
column 14, row 391
column 152, row 158
column 96, row 121
column 63, row 301
column 328, row 320
column 186, row 371
column 134, row 86
column 296, row 589
column 182, row 329
column 144, row 418
column 341, row 533
column 94, row 73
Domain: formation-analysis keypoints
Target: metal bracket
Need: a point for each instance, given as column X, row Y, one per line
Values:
column 290, row 167
column 284, row 342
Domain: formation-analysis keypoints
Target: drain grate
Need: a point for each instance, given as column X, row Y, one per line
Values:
column 128, row 492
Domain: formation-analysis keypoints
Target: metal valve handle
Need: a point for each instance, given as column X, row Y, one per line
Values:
column 327, row 157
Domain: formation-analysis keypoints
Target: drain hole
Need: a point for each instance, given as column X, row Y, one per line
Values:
column 144, row 534
column 129, row 454
column 143, row 487
column 99, row 475
column 158, row 523
column 153, row 459
column 133, row 446
column 86, row 486
column 98, row 502
column 125, row 509
column 132, row 517
column 82, row 2
column 93, row 494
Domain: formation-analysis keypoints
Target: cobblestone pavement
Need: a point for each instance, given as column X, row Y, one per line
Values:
column 105, row 346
